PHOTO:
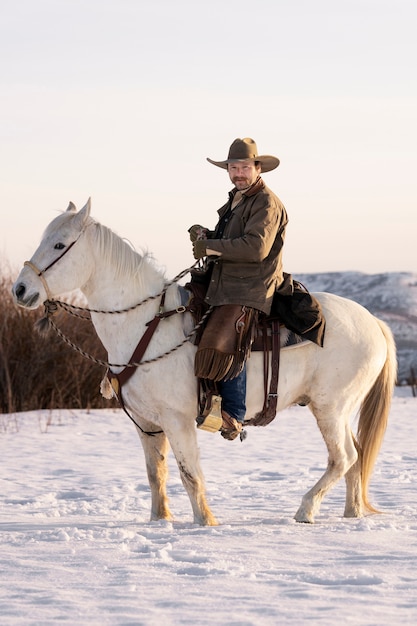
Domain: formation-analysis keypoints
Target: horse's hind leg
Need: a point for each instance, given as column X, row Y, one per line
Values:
column 354, row 500
column 342, row 456
column 156, row 448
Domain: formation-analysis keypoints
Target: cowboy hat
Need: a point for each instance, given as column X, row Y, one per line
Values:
column 242, row 149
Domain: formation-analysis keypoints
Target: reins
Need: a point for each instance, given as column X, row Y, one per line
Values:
column 51, row 304
column 117, row 380
column 51, row 307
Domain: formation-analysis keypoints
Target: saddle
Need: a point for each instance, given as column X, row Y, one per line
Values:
column 233, row 331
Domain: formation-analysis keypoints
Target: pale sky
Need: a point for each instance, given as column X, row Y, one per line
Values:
column 123, row 100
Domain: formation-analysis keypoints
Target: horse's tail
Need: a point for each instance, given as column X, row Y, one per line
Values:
column 373, row 415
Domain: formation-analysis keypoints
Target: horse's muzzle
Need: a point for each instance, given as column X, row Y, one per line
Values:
column 23, row 298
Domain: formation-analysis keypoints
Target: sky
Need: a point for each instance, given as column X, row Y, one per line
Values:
column 123, row 100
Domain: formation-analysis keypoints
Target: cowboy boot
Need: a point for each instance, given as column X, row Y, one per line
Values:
column 230, row 428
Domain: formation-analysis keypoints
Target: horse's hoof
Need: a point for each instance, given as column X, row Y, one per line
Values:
column 303, row 518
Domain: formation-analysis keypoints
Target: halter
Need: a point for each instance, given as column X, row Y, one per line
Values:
column 40, row 273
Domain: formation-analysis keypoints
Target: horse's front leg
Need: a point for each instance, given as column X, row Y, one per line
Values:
column 183, row 440
column 156, row 448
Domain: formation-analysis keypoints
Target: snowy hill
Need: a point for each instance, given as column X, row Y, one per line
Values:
column 392, row 297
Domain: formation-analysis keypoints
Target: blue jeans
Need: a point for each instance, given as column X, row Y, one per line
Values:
column 233, row 393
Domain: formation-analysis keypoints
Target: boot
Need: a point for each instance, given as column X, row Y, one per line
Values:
column 230, row 428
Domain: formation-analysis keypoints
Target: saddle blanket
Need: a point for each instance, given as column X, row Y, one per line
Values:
column 288, row 339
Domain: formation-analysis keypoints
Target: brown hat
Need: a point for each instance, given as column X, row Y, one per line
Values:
column 242, row 149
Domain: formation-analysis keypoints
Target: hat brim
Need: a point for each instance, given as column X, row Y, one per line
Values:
column 267, row 162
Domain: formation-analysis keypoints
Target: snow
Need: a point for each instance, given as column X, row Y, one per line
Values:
column 77, row 546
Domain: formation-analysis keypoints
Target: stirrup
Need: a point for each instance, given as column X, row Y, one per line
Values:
column 212, row 421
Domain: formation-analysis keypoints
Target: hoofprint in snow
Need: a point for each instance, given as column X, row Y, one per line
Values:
column 77, row 546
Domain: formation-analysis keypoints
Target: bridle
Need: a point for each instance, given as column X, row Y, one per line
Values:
column 40, row 273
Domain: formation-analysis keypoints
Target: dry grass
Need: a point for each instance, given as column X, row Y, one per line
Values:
column 38, row 372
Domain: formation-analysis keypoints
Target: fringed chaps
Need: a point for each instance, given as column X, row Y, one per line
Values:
column 226, row 342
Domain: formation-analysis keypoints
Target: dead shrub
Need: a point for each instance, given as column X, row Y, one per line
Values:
column 38, row 372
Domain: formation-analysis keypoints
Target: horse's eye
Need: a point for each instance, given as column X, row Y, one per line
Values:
column 59, row 246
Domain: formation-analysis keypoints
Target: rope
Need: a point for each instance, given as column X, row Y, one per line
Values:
column 106, row 364
column 71, row 308
column 51, row 307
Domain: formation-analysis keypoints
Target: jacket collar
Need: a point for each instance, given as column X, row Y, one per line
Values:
column 255, row 188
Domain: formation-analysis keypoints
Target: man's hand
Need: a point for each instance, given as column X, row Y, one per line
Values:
column 197, row 232
column 200, row 248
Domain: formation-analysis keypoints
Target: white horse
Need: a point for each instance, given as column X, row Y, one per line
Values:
column 356, row 368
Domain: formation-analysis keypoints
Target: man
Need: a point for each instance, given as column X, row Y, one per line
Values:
column 245, row 253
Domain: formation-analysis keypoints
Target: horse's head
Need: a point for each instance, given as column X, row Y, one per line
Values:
column 57, row 266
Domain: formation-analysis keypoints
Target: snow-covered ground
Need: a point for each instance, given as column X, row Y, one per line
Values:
column 77, row 546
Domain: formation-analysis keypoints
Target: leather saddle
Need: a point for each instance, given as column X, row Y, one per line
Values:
column 222, row 352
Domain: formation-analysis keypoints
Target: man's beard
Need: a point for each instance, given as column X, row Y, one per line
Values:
column 243, row 183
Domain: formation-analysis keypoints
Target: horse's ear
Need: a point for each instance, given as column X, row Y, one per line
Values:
column 72, row 207
column 85, row 211
column 80, row 219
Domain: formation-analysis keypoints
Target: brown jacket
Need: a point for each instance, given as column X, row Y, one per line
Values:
column 249, row 269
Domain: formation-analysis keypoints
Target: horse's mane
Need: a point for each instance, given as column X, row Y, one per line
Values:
column 125, row 261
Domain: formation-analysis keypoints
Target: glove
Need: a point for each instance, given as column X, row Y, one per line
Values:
column 197, row 232
column 199, row 248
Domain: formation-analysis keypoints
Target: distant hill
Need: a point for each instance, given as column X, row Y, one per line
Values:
column 392, row 297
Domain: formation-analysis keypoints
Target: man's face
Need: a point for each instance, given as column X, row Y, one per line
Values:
column 243, row 173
